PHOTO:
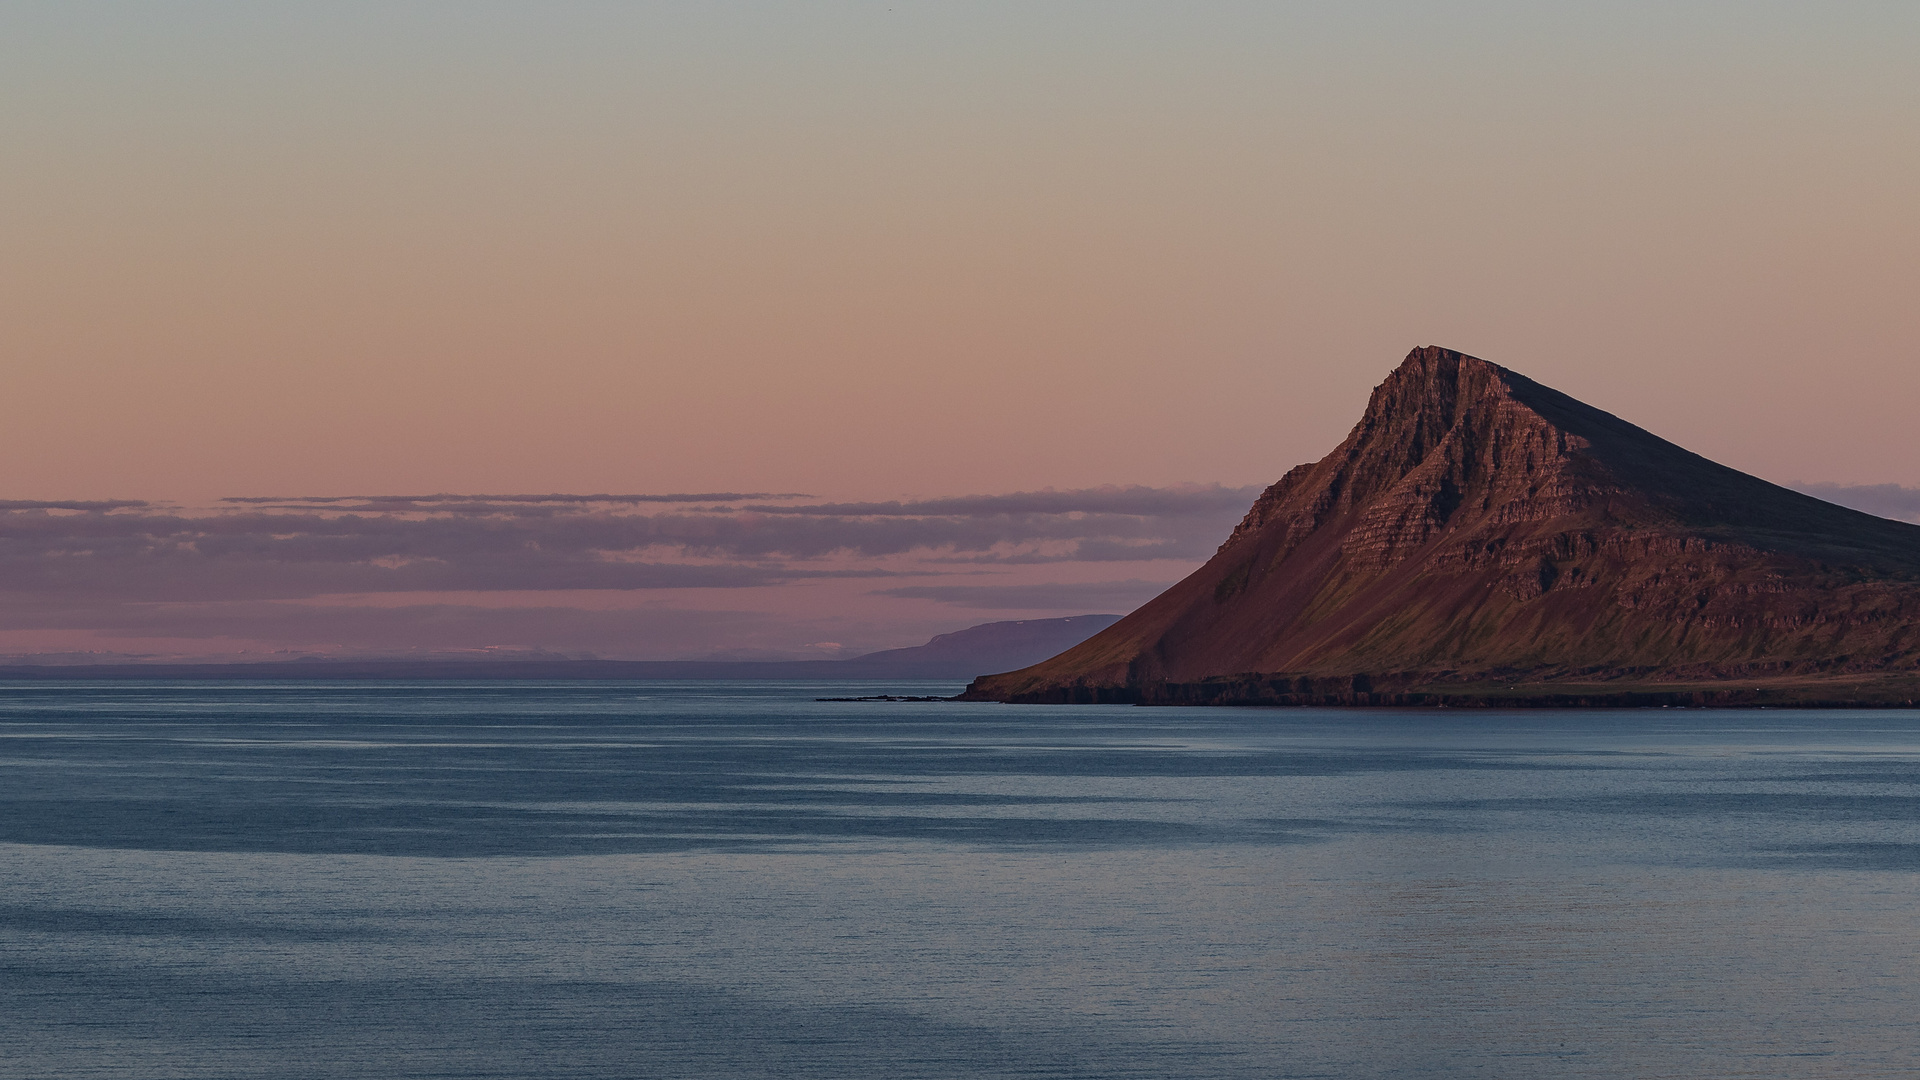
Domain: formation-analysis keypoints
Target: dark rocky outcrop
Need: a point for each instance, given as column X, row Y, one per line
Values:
column 1482, row 539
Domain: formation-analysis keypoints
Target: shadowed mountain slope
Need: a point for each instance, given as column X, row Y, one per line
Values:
column 1481, row 538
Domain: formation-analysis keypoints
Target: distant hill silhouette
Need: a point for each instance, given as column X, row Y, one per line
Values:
column 989, row 646
column 1482, row 539
column 958, row 655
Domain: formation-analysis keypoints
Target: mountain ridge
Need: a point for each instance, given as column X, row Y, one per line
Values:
column 1478, row 530
column 960, row 654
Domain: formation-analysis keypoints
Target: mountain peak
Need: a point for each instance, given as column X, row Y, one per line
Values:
column 1434, row 378
column 1445, row 432
column 1475, row 524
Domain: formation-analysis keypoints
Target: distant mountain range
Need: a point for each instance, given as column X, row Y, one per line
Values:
column 1482, row 539
column 962, row 654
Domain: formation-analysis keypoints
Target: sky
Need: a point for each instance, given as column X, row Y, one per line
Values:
column 694, row 575
column 893, row 253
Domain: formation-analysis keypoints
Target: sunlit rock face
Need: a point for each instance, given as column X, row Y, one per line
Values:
column 1481, row 538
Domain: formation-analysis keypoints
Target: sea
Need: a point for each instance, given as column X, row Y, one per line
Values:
column 727, row 879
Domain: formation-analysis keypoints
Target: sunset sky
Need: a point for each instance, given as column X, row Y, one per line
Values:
column 884, row 254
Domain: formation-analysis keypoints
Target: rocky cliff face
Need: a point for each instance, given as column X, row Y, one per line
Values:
column 1482, row 537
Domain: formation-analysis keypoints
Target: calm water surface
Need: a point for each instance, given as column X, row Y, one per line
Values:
column 734, row 880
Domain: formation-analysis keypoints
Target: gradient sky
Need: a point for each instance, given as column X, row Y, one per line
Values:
column 878, row 251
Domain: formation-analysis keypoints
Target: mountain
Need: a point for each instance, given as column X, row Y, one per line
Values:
column 958, row 655
column 1482, row 539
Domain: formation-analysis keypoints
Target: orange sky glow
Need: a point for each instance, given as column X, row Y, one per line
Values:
column 873, row 252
